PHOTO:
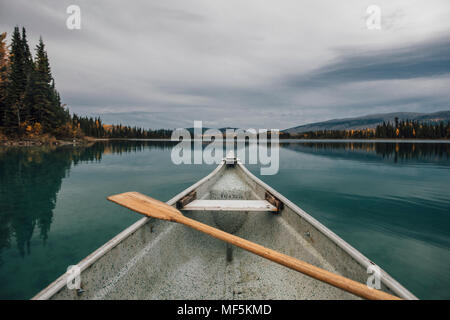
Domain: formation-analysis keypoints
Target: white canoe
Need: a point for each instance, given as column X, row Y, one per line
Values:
column 154, row 259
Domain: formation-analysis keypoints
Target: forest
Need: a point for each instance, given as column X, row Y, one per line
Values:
column 30, row 105
column 404, row 129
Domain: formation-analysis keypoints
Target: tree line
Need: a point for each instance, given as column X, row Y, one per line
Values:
column 30, row 105
column 404, row 129
column 408, row 129
column 94, row 127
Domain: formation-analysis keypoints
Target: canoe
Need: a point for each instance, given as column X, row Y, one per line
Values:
column 155, row 259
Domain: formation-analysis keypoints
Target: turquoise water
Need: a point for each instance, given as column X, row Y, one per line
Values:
column 390, row 201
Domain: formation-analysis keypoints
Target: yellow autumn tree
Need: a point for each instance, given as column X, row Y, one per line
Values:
column 4, row 67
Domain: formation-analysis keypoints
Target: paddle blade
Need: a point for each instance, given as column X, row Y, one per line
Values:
column 145, row 205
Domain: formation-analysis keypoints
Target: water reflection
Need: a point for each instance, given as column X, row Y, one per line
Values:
column 377, row 151
column 33, row 174
column 30, row 178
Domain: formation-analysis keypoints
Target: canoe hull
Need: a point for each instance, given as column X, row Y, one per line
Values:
column 154, row 259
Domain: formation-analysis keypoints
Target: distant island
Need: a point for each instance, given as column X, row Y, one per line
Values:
column 31, row 111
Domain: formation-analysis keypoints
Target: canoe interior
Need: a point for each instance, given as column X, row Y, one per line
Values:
column 156, row 259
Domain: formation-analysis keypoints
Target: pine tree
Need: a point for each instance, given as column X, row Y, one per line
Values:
column 28, row 59
column 42, row 93
column 28, row 69
column 17, row 81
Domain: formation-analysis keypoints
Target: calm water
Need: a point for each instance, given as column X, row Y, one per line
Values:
column 390, row 201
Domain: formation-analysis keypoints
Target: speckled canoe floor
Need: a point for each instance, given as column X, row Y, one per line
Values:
column 181, row 263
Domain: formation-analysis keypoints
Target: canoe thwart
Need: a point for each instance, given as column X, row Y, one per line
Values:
column 186, row 199
column 229, row 205
column 274, row 201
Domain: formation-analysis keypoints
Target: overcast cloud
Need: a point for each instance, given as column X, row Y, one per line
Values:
column 260, row 64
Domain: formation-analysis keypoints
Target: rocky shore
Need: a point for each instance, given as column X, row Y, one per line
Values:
column 42, row 141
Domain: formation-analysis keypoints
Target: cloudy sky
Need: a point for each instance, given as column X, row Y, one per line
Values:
column 252, row 63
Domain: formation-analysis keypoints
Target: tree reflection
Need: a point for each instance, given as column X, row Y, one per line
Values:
column 385, row 151
column 30, row 179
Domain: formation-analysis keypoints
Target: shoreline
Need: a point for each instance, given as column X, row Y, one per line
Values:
column 37, row 142
column 386, row 140
column 91, row 140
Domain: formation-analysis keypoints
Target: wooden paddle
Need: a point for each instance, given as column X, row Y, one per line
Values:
column 160, row 210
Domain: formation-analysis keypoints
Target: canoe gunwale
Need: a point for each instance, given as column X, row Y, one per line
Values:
column 390, row 282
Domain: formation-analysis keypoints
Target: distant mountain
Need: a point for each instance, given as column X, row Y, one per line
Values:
column 223, row 130
column 370, row 121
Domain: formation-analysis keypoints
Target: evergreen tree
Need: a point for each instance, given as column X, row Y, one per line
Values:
column 28, row 70
column 42, row 93
column 17, row 81
column 28, row 59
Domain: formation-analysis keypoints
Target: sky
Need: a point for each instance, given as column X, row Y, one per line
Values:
column 247, row 64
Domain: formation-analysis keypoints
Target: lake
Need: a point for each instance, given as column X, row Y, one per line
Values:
column 391, row 201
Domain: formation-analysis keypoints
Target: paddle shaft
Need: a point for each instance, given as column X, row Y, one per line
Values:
column 333, row 279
